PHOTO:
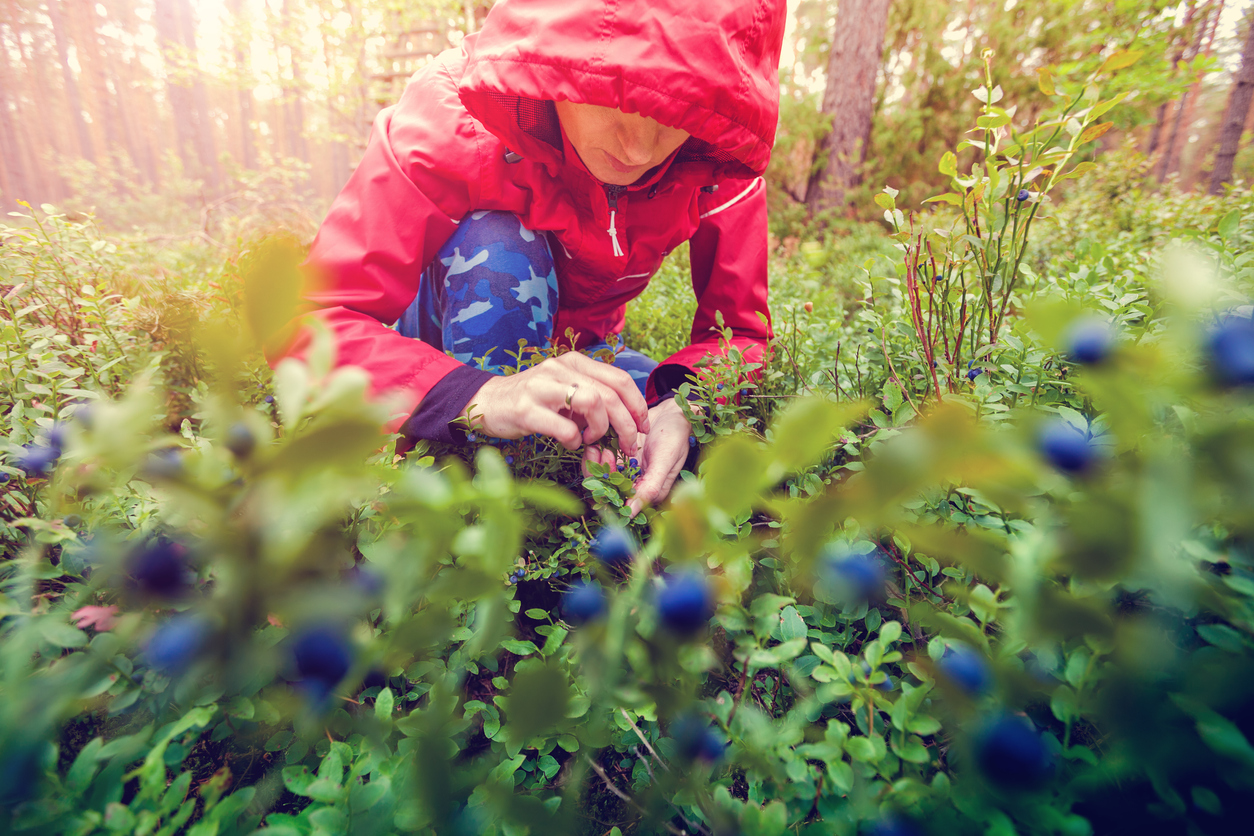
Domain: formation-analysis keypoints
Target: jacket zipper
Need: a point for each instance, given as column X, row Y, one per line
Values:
column 611, row 194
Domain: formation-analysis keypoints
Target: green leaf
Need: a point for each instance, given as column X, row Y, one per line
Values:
column 1045, row 81
column 57, row 632
column 948, row 165
column 1122, row 58
column 1092, row 132
column 1229, row 224
column 890, row 632
column 383, row 705
column 791, row 625
column 519, row 648
column 866, row 749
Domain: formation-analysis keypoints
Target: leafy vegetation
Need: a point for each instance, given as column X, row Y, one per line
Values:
column 906, row 587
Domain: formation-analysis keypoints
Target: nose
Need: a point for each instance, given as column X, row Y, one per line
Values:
column 638, row 139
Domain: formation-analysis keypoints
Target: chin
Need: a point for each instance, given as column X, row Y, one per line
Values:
column 616, row 178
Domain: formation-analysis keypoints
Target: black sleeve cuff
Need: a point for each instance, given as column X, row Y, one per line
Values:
column 667, row 380
column 432, row 420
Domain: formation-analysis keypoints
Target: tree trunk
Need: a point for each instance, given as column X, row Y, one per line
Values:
column 202, row 135
column 165, row 18
column 244, row 92
column 1235, row 114
column 857, row 48
column 61, row 37
column 13, row 180
column 1184, row 110
column 87, row 21
column 293, row 103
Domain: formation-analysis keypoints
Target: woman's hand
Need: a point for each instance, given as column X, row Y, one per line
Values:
column 571, row 398
column 665, row 451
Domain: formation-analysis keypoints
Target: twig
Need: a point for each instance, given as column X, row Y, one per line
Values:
column 609, row 785
column 643, row 739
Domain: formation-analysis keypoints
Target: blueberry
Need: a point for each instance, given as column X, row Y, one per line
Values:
column 584, row 602
column 613, row 546
column 159, row 567
column 1090, row 340
column 509, row 459
column 1012, row 755
column 974, row 373
column 73, row 521
column 1231, row 350
column 366, row 580
column 37, row 460
column 965, row 669
column 696, row 740
column 1023, row 195
column 85, row 414
column 633, row 462
column 375, row 678
column 870, row 330
column 177, row 642
column 20, row 773
column 163, row 464
column 240, row 440
column 269, row 399
column 685, row 603
column 55, row 437
column 1065, row 447
column 4, row 477
column 862, row 574
column 719, row 388
column 471, row 437
column 692, row 441
column 891, row 825
column 323, row 656
column 886, row 686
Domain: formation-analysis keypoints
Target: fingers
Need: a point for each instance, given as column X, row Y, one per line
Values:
column 662, row 465
column 548, row 422
column 617, row 380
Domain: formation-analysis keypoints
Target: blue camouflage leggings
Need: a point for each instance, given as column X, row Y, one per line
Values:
column 491, row 286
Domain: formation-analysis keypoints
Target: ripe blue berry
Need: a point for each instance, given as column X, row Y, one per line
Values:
column 1065, row 447
column 366, row 580
column 696, row 740
column 4, row 477
column 1231, row 350
column 633, row 462
column 1090, row 340
column 583, row 602
column 692, row 441
column 20, row 773
column 240, row 440
column 269, row 398
column 892, row 825
column 965, row 669
column 159, row 567
column 323, row 656
column 509, row 459
column 177, row 642
column 55, row 437
column 862, row 575
column 613, row 546
column 471, row 437
column 37, row 460
column 73, row 521
column 685, row 603
column 1012, row 755
column 163, row 464
column 974, row 373
column 1023, row 195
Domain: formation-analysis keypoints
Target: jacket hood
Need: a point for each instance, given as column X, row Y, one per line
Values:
column 710, row 68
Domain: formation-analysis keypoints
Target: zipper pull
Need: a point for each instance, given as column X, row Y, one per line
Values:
column 612, row 193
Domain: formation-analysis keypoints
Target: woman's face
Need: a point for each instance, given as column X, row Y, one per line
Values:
column 617, row 147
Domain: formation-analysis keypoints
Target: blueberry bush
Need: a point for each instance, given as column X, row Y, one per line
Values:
column 971, row 551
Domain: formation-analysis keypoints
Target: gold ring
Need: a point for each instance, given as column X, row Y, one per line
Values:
column 570, row 393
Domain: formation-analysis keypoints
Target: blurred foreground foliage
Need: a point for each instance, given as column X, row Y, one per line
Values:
column 1020, row 600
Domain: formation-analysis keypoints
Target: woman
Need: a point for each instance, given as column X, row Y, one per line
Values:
column 527, row 186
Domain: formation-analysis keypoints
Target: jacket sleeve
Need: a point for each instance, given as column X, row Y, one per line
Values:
column 728, row 254
column 417, row 178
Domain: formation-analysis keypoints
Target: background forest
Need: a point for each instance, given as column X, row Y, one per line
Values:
column 240, row 107
column 969, row 551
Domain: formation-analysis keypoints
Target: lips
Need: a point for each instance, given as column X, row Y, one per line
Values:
column 618, row 165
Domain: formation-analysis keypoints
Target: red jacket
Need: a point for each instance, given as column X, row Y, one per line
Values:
column 710, row 68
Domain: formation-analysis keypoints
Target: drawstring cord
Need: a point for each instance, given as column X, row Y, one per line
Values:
column 613, row 231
